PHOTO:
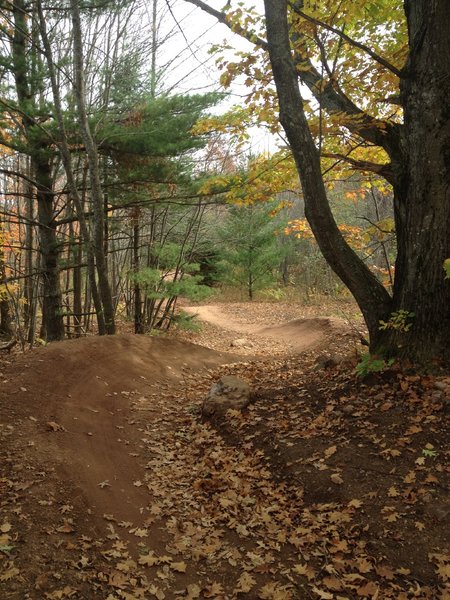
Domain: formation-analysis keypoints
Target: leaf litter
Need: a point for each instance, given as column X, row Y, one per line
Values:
column 296, row 497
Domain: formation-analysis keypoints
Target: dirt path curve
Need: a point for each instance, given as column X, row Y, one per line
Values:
column 298, row 334
column 214, row 314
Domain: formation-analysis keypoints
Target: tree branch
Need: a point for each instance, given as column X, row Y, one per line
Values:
column 376, row 57
column 332, row 98
column 385, row 170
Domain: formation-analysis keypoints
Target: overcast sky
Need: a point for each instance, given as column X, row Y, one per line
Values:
column 194, row 69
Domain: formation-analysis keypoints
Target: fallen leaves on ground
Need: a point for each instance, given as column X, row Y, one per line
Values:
column 325, row 488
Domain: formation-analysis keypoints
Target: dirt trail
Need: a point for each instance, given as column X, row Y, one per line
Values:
column 298, row 334
column 92, row 413
column 89, row 386
column 112, row 487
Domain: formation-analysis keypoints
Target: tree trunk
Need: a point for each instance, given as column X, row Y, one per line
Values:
column 372, row 298
column 6, row 327
column 52, row 320
column 29, row 307
column 77, row 289
column 138, row 316
column 94, row 173
column 422, row 192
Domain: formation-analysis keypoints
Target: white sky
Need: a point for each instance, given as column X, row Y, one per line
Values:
column 195, row 69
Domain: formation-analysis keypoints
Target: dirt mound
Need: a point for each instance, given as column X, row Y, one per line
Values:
column 120, row 357
column 287, row 332
column 303, row 334
column 80, row 395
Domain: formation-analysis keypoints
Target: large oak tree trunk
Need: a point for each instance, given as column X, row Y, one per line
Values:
column 422, row 192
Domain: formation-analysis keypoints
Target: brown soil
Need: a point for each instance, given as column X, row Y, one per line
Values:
column 112, row 486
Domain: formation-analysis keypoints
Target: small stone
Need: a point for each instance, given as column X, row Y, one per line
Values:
column 228, row 392
column 242, row 343
column 325, row 362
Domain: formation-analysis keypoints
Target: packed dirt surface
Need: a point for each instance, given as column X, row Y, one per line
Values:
column 290, row 331
column 114, row 487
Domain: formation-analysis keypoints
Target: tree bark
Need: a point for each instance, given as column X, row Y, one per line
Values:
column 77, row 289
column 422, row 187
column 6, row 327
column 52, row 319
column 138, row 316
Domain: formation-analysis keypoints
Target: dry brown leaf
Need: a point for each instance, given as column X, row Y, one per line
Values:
column 413, row 429
column 148, row 560
column 323, row 595
column 215, row 591
column 355, row 503
column 245, row 583
column 118, row 579
column 333, row 583
column 10, row 573
column 66, row 528
column 193, row 591
column 410, row 477
column 330, row 451
column 369, row 590
column 155, row 591
column 364, row 566
column 139, row 532
column 180, row 567
column 385, row 572
column 337, row 479
column 275, row 591
column 444, row 571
